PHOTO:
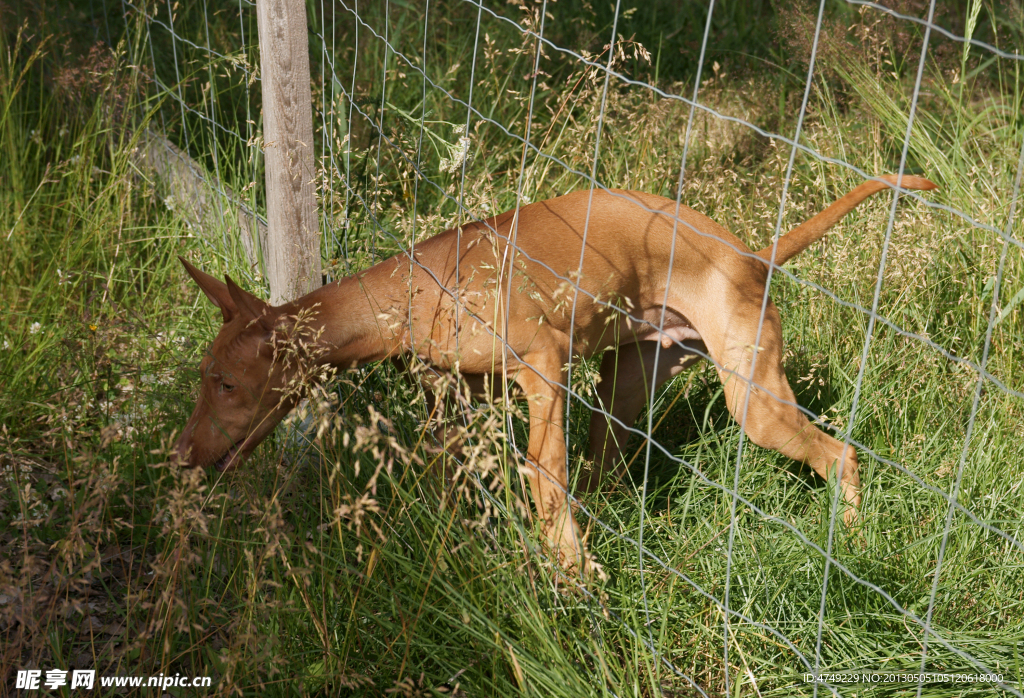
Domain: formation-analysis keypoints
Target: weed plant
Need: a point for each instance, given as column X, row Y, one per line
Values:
column 356, row 556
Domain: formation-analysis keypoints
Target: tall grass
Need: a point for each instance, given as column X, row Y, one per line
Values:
column 343, row 564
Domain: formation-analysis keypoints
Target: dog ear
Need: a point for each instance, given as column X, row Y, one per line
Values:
column 215, row 290
column 251, row 306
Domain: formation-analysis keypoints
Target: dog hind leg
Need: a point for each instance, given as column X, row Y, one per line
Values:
column 625, row 388
column 771, row 418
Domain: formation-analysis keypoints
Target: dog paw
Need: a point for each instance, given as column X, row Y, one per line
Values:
column 851, row 517
column 567, row 546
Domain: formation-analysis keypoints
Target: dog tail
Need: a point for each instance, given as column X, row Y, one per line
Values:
column 804, row 235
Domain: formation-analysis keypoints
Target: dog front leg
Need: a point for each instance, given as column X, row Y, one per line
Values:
column 546, row 468
column 444, row 409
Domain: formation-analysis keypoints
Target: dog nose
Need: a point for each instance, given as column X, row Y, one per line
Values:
column 181, row 456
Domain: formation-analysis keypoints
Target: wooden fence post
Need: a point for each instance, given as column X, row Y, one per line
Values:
column 293, row 251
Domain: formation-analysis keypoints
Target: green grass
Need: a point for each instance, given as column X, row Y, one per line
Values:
column 333, row 566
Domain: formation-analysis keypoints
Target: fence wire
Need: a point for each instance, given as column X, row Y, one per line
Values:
column 181, row 55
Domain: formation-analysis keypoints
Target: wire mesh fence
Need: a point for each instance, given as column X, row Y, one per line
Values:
column 907, row 330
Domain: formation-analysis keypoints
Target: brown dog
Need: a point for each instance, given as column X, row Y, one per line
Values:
column 510, row 312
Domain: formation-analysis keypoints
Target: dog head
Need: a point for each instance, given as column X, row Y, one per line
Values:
column 243, row 378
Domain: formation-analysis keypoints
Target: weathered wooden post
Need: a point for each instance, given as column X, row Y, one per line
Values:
column 293, row 250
